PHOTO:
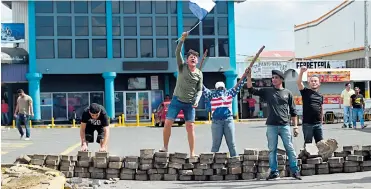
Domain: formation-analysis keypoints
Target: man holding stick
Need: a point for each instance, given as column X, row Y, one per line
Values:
column 187, row 93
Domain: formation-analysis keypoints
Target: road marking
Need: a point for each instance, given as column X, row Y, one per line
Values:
column 8, row 147
column 70, row 149
column 3, row 153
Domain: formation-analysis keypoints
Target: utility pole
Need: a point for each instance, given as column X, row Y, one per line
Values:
column 367, row 50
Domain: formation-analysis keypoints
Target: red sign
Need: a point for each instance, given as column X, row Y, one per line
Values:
column 331, row 76
column 327, row 99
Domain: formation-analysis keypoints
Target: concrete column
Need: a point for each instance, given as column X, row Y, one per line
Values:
column 34, row 92
column 109, row 93
column 109, row 29
column 231, row 80
column 167, row 85
column 176, row 74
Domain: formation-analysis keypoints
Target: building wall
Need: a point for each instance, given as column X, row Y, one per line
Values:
column 20, row 15
column 340, row 30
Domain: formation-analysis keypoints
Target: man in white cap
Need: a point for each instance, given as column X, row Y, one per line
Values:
column 222, row 116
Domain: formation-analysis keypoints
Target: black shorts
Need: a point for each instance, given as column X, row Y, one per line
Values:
column 89, row 133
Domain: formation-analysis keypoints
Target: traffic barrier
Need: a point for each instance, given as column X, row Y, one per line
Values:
column 13, row 124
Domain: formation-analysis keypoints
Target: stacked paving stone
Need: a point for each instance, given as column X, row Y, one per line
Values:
column 129, row 168
column 67, row 165
column 84, row 159
column 250, row 164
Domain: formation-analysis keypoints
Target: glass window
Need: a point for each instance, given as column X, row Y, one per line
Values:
column 145, row 7
column 46, row 112
column 63, row 6
column 116, row 7
column 119, row 103
column 173, row 7
column 186, row 9
column 46, row 99
column 77, row 102
column 173, row 44
column 44, row 48
column 44, row 6
column 223, row 47
column 97, row 97
column 161, row 7
column 99, row 25
column 130, row 26
column 222, row 7
column 116, row 48
column 145, row 26
column 116, row 26
column 161, row 26
column 193, row 44
column 81, row 26
column 64, row 26
column 222, row 26
column 162, row 49
column 129, row 7
column 64, row 48
column 100, row 48
column 146, row 48
column 189, row 23
column 44, row 26
column 81, row 6
column 130, row 48
column 59, row 106
column 209, row 44
column 82, row 48
column 208, row 26
column 174, row 26
column 98, row 7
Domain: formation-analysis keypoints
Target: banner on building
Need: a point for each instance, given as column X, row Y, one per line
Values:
column 12, row 33
column 331, row 76
column 327, row 99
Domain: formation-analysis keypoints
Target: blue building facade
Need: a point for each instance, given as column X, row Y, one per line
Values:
column 120, row 54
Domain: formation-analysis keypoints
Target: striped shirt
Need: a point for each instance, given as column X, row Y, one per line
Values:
column 221, row 101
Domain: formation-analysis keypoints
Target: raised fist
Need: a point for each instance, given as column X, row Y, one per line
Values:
column 303, row 69
column 185, row 34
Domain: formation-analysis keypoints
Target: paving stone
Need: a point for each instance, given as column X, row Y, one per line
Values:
column 342, row 154
column 82, row 175
column 131, row 159
column 161, row 159
column 281, row 151
column 263, row 164
column 366, row 148
column 162, row 171
column 263, row 158
column 234, row 159
column 336, row 165
column 52, row 167
column 202, row 166
column 366, row 163
column 68, row 174
column 233, row 165
column 147, row 153
column 354, row 158
column 323, row 165
column 250, row 157
column 322, row 171
column 334, row 160
column 351, row 164
column 217, row 165
column 162, row 154
column 177, row 160
column 37, row 162
column 180, row 155
column 161, row 165
column 206, row 161
column 248, row 176
column 67, row 168
column 249, row 163
column 128, row 171
column 39, row 156
column 52, row 162
column 361, row 152
column 156, row 177
column 141, row 172
column 53, row 157
column 351, row 148
column 350, row 169
column 145, row 167
column 336, row 170
column 308, row 172
column 249, row 169
column 102, row 154
column 216, row 177
column 185, row 172
column 115, row 159
column 194, row 159
column 368, row 168
column 308, row 166
column 131, row 165
column 88, row 159
column 221, row 160
column 250, row 151
column 223, row 171
column 146, row 161
column 65, row 158
column 221, row 155
column 84, row 154
column 188, row 166
column 113, row 171
column 208, row 172
column 235, row 170
column 231, row 177
column 262, row 153
column 175, row 165
column 152, row 171
column 97, row 170
column 185, row 177
column 198, row 171
column 115, row 165
column 141, row 177
column 207, row 155
column 98, row 175
column 200, row 178
column 172, row 171
column 100, row 162
column 127, row 176
column 83, row 164
column 317, row 160
column 81, row 170
column 170, row 177
column 263, row 169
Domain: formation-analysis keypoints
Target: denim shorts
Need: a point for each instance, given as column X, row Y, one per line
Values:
column 311, row 131
column 175, row 107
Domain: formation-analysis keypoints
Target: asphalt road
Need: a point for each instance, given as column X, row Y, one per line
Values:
column 129, row 140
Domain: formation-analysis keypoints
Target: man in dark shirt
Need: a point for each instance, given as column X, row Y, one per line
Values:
column 94, row 118
column 281, row 106
column 312, row 108
column 358, row 105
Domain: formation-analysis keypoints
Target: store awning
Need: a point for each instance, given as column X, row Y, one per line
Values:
column 14, row 73
column 14, row 55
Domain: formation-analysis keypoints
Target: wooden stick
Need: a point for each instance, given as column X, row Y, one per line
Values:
column 203, row 59
column 256, row 56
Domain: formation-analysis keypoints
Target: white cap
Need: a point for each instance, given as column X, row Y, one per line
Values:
column 219, row 84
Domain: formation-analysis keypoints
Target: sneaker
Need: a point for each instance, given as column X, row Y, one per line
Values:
column 27, row 138
column 344, row 126
column 296, row 176
column 21, row 138
column 273, row 176
column 163, row 150
column 350, row 126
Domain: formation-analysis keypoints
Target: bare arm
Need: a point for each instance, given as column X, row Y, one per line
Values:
column 322, row 114
column 299, row 82
column 30, row 106
column 82, row 133
column 178, row 53
column 106, row 136
column 199, row 91
column 293, row 111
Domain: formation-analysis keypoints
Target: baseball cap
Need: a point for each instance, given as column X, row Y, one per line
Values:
column 219, row 84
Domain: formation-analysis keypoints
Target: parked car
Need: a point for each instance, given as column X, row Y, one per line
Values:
column 160, row 115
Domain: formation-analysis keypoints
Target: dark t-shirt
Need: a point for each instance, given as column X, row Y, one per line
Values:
column 312, row 106
column 102, row 120
column 280, row 104
column 357, row 100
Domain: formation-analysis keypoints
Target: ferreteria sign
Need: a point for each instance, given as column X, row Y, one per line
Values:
column 321, row 64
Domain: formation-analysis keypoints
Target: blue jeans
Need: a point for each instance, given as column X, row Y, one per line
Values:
column 273, row 131
column 310, row 131
column 175, row 107
column 347, row 115
column 5, row 118
column 358, row 112
column 26, row 119
column 226, row 128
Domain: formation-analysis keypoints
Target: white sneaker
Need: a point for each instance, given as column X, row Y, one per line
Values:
column 27, row 138
column 21, row 138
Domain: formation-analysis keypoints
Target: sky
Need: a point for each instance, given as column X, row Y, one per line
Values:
column 263, row 22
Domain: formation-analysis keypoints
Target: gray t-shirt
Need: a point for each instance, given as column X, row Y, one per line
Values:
column 280, row 104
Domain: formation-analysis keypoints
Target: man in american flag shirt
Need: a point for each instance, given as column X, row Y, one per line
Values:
column 222, row 116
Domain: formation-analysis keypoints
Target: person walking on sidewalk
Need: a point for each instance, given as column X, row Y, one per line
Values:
column 4, row 113
column 281, row 106
column 23, row 113
column 358, row 105
column 345, row 100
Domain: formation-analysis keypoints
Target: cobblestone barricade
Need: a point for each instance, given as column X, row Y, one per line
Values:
column 156, row 166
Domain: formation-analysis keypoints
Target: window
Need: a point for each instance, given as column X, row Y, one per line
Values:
column 162, row 49
column 97, row 97
column 119, row 103
column 174, row 26
column 116, row 48
column 223, row 47
column 173, row 45
column 63, row 6
column 46, row 106
column 44, row 26
column 64, row 26
column 193, row 44
column 186, row 9
column 222, row 26
column 46, row 99
column 77, row 102
column 129, row 7
column 81, row 26
column 116, row 7
column 116, row 23
column 82, row 48
column 99, row 25
column 208, row 26
column 59, row 106
column 222, row 7
column 64, row 48
column 161, row 7
column 44, row 48
column 189, row 23
column 44, row 6
column 130, row 48
column 100, row 48
column 161, row 26
column 173, row 7
column 209, row 44
column 81, row 6
column 46, row 112
column 130, row 26
column 145, row 7
column 146, row 48
column 146, row 26
column 98, row 7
